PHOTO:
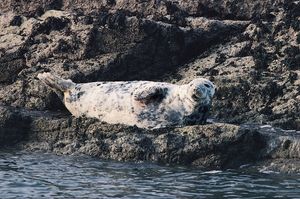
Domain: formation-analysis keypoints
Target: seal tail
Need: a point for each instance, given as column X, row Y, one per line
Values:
column 57, row 84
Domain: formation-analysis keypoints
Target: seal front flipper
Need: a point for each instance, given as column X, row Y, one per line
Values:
column 57, row 84
column 150, row 94
column 198, row 117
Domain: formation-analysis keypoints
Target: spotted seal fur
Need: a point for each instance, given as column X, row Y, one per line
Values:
column 145, row 104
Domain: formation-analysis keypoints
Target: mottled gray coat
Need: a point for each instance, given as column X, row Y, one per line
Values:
column 145, row 104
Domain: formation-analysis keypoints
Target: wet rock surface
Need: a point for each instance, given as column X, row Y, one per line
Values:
column 249, row 49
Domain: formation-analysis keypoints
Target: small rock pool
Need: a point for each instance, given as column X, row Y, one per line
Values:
column 38, row 175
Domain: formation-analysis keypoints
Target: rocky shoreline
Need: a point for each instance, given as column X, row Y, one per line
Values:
column 211, row 146
column 249, row 49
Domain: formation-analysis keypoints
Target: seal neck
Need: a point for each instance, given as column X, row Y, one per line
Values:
column 185, row 97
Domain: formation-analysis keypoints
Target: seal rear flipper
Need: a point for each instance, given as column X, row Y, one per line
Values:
column 57, row 84
column 150, row 94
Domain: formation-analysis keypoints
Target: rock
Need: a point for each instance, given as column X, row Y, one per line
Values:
column 14, row 126
column 212, row 146
column 174, row 10
column 111, row 47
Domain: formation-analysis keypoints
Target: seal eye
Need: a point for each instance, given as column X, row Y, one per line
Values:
column 207, row 85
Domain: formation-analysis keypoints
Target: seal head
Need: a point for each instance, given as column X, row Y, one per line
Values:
column 201, row 92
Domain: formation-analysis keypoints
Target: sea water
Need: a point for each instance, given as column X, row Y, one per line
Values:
column 40, row 175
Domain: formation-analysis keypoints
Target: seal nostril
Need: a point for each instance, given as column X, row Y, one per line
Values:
column 207, row 85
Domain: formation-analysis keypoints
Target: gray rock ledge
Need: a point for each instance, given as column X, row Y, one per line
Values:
column 212, row 146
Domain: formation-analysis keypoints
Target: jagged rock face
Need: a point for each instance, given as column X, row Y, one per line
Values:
column 249, row 49
column 101, row 47
column 229, row 9
column 253, row 58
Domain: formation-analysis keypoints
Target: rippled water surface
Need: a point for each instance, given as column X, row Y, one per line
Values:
column 36, row 175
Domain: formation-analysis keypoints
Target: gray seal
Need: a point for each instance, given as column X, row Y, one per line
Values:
column 145, row 104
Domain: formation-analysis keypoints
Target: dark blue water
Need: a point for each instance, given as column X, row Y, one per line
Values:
column 36, row 175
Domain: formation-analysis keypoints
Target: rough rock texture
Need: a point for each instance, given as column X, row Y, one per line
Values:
column 249, row 49
column 212, row 146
